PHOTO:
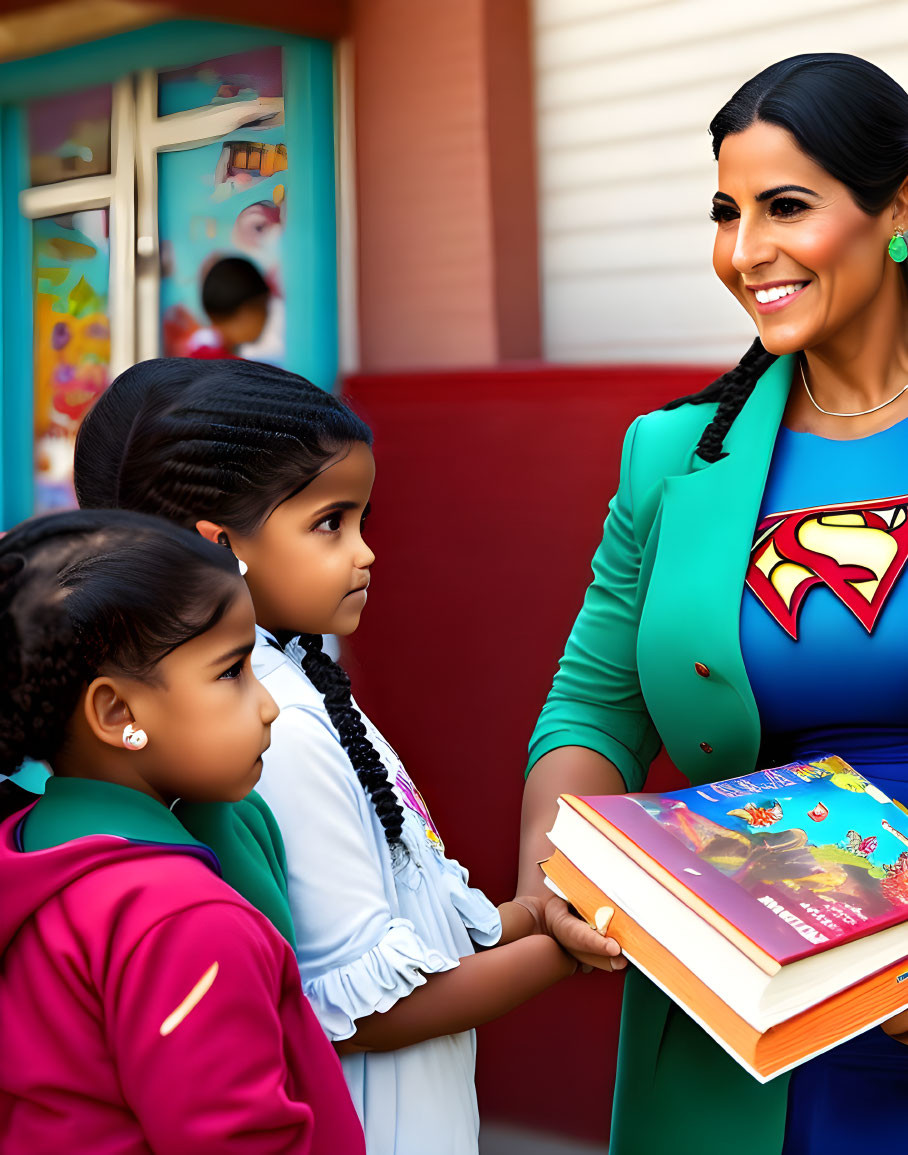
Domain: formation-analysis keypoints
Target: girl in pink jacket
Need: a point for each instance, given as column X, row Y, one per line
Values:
column 146, row 1005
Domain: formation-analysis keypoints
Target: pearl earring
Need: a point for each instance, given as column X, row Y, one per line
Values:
column 244, row 569
column 134, row 739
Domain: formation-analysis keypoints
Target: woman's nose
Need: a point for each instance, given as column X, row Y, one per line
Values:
column 752, row 246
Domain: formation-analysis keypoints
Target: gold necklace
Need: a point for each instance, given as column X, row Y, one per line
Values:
column 862, row 413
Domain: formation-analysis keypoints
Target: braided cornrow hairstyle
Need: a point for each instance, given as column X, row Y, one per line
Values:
column 82, row 590
column 848, row 116
column 228, row 441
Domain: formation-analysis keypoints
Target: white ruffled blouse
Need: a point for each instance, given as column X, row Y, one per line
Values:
column 368, row 929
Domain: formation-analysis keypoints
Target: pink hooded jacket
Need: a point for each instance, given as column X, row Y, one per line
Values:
column 147, row 1007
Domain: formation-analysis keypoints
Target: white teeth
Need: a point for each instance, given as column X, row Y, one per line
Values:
column 765, row 296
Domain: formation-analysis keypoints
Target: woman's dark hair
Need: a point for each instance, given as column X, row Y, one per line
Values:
column 229, row 284
column 228, row 441
column 84, row 590
column 852, row 119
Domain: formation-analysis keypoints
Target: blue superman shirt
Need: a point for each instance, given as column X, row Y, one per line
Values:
column 824, row 618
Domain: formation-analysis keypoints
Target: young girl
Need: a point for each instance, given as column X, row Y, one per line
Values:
column 146, row 1005
column 281, row 473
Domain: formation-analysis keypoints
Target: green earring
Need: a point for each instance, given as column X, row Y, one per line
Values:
column 898, row 247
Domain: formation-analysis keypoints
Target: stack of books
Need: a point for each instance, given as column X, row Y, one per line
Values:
column 773, row 908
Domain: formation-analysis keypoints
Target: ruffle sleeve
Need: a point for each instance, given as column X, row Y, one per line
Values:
column 479, row 915
column 395, row 966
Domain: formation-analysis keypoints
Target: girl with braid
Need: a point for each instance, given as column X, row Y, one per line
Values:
column 146, row 1005
column 749, row 599
column 387, row 926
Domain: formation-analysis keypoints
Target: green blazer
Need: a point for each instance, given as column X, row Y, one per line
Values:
column 666, row 595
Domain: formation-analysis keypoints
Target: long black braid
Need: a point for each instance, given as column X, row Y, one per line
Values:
column 228, row 441
column 731, row 390
column 333, row 682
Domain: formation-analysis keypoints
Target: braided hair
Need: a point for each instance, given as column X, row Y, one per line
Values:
column 229, row 441
column 848, row 116
column 84, row 590
column 730, row 390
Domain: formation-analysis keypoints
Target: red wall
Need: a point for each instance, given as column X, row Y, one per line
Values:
column 489, row 499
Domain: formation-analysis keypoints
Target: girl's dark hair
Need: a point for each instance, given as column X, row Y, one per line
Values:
column 228, row 441
column 852, row 119
column 229, row 284
column 81, row 591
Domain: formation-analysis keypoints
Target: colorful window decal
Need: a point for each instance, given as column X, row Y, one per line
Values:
column 223, row 199
column 246, row 76
column 72, row 341
column 69, row 136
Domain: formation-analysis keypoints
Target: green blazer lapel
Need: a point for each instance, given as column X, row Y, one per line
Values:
column 708, row 720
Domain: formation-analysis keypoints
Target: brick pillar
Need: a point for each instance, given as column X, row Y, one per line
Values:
column 446, row 183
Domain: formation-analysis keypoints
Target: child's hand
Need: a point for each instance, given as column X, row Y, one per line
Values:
column 591, row 948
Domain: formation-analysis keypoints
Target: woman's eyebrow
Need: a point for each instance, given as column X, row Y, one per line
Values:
column 721, row 196
column 784, row 188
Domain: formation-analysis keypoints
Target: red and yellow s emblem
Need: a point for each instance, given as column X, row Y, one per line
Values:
column 856, row 550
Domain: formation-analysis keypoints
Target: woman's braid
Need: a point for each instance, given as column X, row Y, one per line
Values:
column 731, row 390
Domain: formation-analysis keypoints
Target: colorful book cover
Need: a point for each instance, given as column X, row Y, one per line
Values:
column 799, row 858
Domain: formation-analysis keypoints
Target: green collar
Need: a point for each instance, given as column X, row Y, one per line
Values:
column 240, row 841
column 78, row 807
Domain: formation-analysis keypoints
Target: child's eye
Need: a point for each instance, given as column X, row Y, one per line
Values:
column 235, row 670
column 366, row 512
column 331, row 523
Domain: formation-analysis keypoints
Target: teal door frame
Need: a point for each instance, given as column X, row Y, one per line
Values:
column 310, row 232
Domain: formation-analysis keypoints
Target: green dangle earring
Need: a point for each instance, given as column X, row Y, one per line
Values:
column 898, row 247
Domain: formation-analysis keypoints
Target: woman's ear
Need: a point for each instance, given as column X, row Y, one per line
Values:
column 210, row 531
column 107, row 711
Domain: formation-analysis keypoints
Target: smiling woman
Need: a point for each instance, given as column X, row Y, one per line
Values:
column 748, row 606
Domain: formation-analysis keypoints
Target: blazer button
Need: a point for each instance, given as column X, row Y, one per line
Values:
column 701, row 669
column 706, row 748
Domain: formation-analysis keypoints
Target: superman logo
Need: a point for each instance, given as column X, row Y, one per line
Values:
column 857, row 551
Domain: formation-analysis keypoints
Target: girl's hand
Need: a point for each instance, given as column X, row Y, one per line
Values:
column 591, row 948
column 897, row 1027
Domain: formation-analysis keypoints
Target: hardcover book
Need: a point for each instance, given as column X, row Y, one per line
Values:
column 772, row 907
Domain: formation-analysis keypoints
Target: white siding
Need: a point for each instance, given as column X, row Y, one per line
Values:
column 625, row 92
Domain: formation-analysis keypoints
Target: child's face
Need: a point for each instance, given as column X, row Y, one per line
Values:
column 207, row 716
column 308, row 564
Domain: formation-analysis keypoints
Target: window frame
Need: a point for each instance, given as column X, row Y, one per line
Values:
column 310, row 233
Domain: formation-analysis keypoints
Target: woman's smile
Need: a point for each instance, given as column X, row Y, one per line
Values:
column 775, row 295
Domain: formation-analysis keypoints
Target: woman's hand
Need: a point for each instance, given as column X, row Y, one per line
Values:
column 591, row 948
column 897, row 1027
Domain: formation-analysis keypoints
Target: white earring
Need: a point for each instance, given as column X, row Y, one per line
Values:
column 244, row 569
column 134, row 739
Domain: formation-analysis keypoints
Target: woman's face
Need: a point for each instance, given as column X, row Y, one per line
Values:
column 791, row 244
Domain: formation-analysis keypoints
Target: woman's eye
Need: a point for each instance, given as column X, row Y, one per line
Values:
column 722, row 213
column 787, row 207
column 235, row 670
